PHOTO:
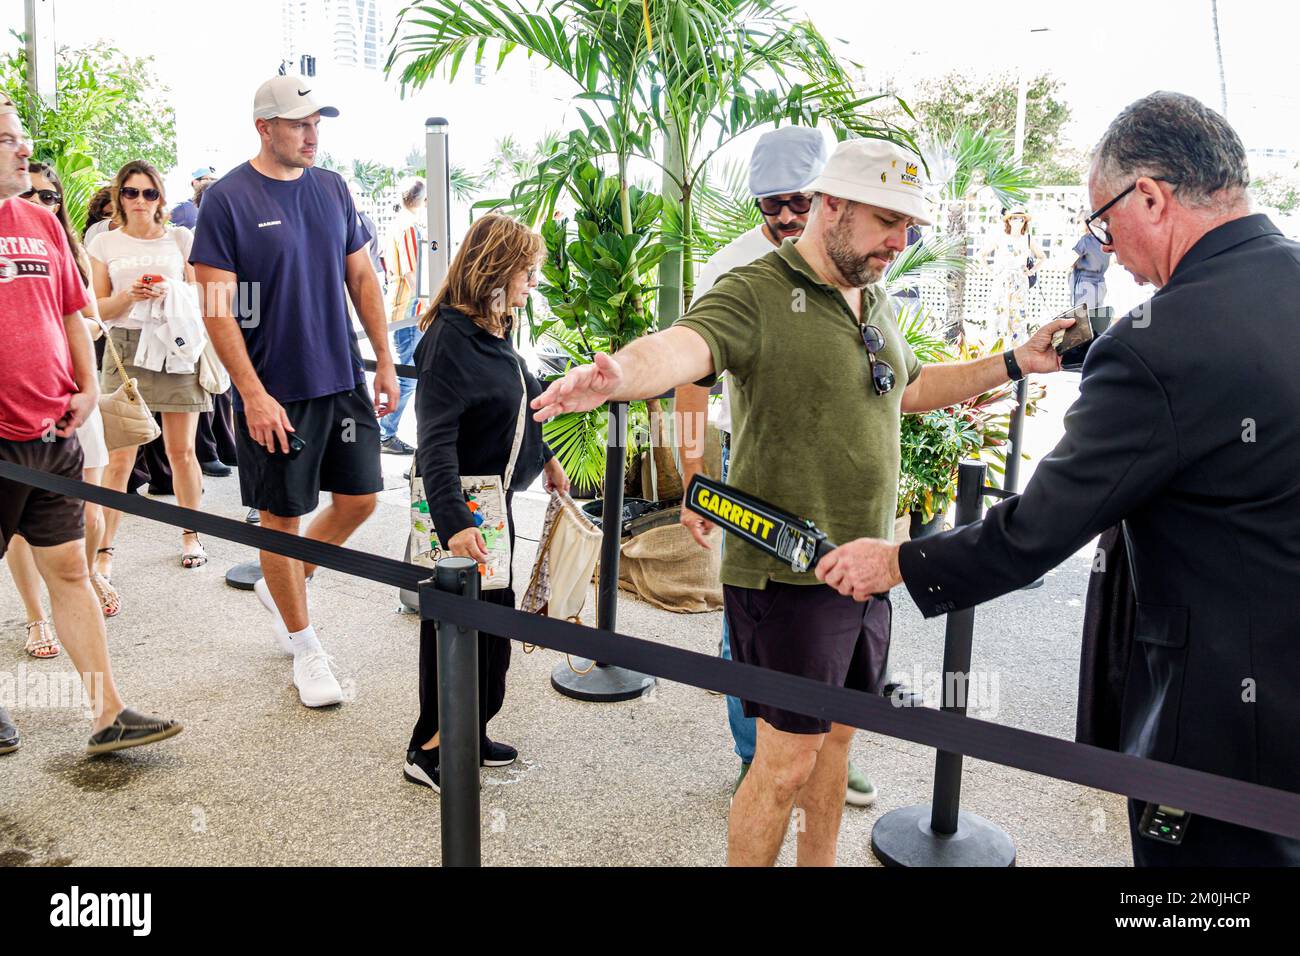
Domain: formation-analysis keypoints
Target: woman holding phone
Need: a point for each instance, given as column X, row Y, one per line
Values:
column 132, row 266
column 471, row 394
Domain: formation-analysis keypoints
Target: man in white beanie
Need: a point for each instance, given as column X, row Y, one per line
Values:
column 783, row 163
column 821, row 376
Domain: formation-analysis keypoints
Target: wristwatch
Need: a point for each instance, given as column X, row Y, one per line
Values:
column 1013, row 367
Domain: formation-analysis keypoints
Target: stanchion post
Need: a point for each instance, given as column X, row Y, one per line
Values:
column 591, row 681
column 941, row 833
column 1015, row 434
column 437, row 171
column 611, row 517
column 958, row 637
column 458, row 746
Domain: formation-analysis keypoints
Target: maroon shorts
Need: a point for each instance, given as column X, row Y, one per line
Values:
column 812, row 631
column 45, row 519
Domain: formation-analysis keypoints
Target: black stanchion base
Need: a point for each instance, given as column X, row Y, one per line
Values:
column 903, row 838
column 601, row 684
column 244, row 576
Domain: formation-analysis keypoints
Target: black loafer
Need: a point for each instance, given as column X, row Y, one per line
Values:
column 132, row 729
column 493, row 754
column 9, row 741
column 215, row 469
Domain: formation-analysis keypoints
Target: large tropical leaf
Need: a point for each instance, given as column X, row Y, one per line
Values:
column 928, row 261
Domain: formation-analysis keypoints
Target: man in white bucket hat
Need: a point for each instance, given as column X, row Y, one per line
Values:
column 820, row 377
column 782, row 165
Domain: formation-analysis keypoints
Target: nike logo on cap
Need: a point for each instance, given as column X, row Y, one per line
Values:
column 303, row 92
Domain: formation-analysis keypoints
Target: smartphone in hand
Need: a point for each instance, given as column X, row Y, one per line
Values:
column 1065, row 339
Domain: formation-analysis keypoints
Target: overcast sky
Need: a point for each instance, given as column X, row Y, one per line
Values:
column 1107, row 52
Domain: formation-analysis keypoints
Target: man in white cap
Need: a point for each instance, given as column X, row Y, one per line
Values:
column 278, row 242
column 783, row 163
column 820, row 377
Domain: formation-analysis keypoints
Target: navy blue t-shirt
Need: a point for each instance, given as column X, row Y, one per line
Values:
column 287, row 242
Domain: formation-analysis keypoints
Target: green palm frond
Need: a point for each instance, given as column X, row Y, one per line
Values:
column 918, row 328
column 966, row 159
column 928, row 261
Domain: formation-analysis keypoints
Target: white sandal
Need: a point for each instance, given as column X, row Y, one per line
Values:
column 44, row 645
column 194, row 557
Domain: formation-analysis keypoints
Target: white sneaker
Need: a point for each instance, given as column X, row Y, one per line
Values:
column 315, row 681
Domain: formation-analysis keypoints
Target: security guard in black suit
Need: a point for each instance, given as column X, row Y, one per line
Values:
column 1187, row 428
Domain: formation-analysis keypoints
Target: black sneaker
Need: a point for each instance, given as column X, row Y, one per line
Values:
column 8, row 733
column 132, row 729
column 215, row 469
column 395, row 446
column 422, row 768
column 493, row 754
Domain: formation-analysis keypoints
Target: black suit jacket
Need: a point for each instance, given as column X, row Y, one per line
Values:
column 1187, row 428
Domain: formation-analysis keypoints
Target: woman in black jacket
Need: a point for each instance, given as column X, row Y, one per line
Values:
column 467, row 406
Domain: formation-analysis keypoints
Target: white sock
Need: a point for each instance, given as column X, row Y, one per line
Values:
column 305, row 641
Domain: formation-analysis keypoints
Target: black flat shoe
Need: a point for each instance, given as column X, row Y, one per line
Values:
column 132, row 729
column 493, row 754
column 215, row 469
column 9, row 741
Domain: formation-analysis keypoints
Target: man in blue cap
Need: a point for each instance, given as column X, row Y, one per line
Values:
column 783, row 163
column 187, row 213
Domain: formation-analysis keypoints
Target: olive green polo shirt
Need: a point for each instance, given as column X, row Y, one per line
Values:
column 809, row 433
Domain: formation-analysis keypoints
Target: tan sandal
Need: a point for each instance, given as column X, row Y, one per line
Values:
column 194, row 557
column 110, row 602
column 44, row 644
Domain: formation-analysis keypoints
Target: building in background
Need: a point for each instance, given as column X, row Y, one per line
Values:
column 336, row 33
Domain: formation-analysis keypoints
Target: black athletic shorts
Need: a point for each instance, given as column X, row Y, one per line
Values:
column 812, row 631
column 45, row 519
column 340, row 455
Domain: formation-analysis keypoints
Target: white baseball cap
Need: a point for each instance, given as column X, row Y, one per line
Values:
column 876, row 172
column 288, row 97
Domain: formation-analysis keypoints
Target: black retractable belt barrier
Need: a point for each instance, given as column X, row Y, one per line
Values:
column 403, row 371
column 941, row 834
column 1194, row 791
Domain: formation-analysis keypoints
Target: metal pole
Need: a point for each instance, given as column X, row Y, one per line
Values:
column 940, row 833
column 39, row 23
column 458, row 723
column 611, row 517
column 590, row 680
column 1011, row 476
column 438, row 180
column 958, row 636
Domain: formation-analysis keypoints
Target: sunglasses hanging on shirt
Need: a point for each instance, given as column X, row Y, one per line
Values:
column 882, row 375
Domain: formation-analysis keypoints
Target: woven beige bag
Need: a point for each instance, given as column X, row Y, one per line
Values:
column 127, row 419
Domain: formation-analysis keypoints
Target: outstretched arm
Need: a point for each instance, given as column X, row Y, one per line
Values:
column 648, row 367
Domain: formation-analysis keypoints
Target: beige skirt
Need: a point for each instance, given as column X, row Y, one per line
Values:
column 161, row 391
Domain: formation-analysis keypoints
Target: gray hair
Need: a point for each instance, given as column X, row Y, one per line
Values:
column 1176, row 138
